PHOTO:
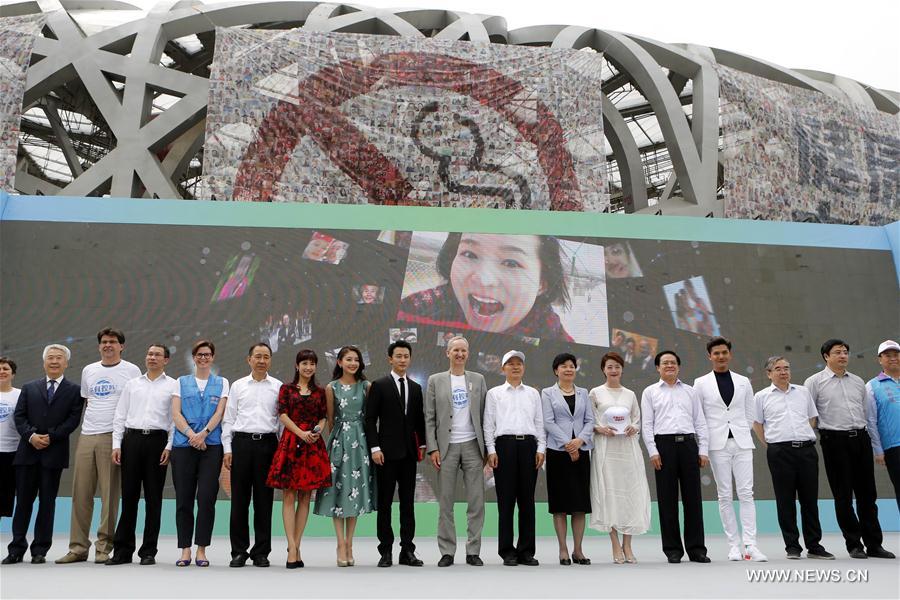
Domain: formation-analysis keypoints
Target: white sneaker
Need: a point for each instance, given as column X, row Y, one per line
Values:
column 755, row 555
column 735, row 554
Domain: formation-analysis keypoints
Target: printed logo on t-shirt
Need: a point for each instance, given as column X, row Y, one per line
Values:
column 460, row 398
column 5, row 412
column 103, row 388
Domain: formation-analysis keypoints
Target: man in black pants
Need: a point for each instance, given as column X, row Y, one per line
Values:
column 516, row 443
column 249, row 439
column 675, row 433
column 785, row 417
column 395, row 431
column 141, row 442
column 840, row 398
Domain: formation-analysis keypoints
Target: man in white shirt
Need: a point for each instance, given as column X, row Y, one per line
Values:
column 101, row 385
column 249, row 439
column 141, row 442
column 516, row 443
column 454, row 412
column 674, row 431
column 784, row 421
column 728, row 407
column 840, row 398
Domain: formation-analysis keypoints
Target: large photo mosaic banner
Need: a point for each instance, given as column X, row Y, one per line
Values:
column 17, row 36
column 793, row 154
column 298, row 116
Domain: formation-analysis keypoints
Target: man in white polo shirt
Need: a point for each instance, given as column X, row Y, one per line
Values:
column 101, row 386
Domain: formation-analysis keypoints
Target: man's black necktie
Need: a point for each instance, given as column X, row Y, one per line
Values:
column 51, row 390
column 403, row 394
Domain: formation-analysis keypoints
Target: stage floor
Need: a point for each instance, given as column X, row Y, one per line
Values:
column 651, row 578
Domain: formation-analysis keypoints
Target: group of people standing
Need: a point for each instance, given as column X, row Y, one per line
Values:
column 355, row 443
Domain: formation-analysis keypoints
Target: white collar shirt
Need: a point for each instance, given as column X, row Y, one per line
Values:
column 672, row 409
column 840, row 400
column 785, row 415
column 252, row 408
column 405, row 394
column 513, row 410
column 145, row 404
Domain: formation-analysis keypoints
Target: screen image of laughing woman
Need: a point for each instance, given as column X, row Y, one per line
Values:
column 487, row 282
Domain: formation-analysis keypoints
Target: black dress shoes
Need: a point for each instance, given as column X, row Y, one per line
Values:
column 239, row 561
column 38, row 559
column 880, row 552
column 528, row 561
column 261, row 561
column 700, row 558
column 446, row 560
column 474, row 560
column 673, row 559
column 410, row 559
column 385, row 561
column 11, row 559
column 121, row 559
column 858, row 553
column 510, row 561
column 147, row 560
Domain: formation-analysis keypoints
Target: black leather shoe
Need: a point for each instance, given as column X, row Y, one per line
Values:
column 446, row 560
column 147, row 560
column 674, row 559
column 566, row 562
column 820, row 553
column 474, row 560
column 410, row 559
column 239, row 561
column 510, row 561
column 385, row 560
column 528, row 561
column 261, row 561
column 700, row 558
column 121, row 559
column 793, row 554
column 38, row 559
column 294, row 564
column 858, row 553
column 880, row 552
column 11, row 559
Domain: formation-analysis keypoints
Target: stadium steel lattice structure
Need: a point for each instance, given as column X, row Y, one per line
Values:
column 115, row 98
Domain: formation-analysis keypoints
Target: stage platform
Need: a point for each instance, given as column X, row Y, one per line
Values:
column 652, row 577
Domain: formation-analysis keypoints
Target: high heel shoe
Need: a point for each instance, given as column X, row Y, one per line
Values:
column 343, row 563
column 630, row 559
column 350, row 561
column 619, row 558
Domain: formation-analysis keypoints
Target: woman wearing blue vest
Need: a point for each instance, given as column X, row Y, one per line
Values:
column 196, row 458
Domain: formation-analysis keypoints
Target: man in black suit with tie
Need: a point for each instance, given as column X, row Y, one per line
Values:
column 395, row 431
column 48, row 411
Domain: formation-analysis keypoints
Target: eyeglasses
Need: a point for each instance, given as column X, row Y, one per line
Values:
column 203, row 355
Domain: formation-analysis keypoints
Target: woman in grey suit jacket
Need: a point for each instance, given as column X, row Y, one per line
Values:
column 569, row 423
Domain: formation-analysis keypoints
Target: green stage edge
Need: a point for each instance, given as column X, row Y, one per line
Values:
column 427, row 517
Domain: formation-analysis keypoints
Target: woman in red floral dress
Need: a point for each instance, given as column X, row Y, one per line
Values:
column 300, row 464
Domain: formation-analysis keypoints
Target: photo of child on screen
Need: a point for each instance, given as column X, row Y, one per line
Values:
column 236, row 277
column 497, row 283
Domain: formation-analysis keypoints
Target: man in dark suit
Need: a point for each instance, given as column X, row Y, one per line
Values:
column 395, row 431
column 48, row 411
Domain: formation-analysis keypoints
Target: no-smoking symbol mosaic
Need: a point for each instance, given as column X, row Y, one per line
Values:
column 301, row 116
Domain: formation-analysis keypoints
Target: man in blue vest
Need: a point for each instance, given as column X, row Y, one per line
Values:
column 883, row 412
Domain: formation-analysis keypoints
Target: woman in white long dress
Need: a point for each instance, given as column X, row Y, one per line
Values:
column 620, row 495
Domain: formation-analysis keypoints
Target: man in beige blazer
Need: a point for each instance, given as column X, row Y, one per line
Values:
column 454, row 409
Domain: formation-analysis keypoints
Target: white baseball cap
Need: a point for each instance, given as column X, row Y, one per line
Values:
column 885, row 345
column 511, row 354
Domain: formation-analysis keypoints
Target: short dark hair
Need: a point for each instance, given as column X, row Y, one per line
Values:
column 110, row 331
column 829, row 344
column 553, row 269
column 257, row 345
column 339, row 371
column 165, row 349
column 612, row 356
column 563, row 357
column 305, row 354
column 8, row 361
column 399, row 344
column 717, row 341
column 663, row 353
column 200, row 344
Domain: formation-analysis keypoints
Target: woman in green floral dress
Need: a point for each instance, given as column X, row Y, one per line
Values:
column 352, row 491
